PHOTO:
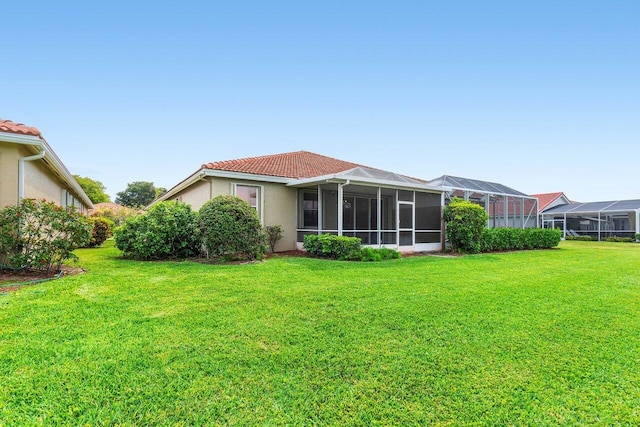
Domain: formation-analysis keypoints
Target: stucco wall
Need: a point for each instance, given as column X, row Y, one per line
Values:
column 8, row 174
column 279, row 203
column 39, row 181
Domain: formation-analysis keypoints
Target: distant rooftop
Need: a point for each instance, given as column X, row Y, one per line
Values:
column 459, row 183
column 594, row 207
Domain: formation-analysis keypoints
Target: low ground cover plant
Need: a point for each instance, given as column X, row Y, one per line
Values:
column 39, row 235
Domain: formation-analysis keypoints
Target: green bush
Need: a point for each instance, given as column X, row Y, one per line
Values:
column 231, row 227
column 331, row 246
column 167, row 230
column 273, row 233
column 373, row 254
column 510, row 239
column 581, row 238
column 102, row 230
column 620, row 239
column 40, row 235
column 465, row 223
column 637, row 237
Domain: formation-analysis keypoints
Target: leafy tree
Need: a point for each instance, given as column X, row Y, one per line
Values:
column 160, row 191
column 137, row 195
column 94, row 189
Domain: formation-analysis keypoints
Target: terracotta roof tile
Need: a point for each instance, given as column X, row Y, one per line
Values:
column 298, row 164
column 19, row 128
column 545, row 199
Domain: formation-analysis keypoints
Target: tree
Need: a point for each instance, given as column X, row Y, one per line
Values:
column 160, row 191
column 137, row 195
column 94, row 189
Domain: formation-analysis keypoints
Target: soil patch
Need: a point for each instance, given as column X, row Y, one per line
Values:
column 11, row 280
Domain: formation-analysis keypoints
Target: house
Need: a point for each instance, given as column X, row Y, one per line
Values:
column 497, row 199
column 308, row 193
column 29, row 168
column 598, row 220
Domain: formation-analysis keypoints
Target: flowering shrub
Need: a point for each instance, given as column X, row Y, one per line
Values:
column 40, row 235
column 102, row 230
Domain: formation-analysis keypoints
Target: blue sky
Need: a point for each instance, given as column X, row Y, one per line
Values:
column 541, row 96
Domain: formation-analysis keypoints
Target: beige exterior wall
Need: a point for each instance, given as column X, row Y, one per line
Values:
column 39, row 181
column 8, row 174
column 278, row 203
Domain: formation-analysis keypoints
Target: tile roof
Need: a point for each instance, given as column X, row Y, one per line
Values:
column 298, row 164
column 545, row 199
column 19, row 128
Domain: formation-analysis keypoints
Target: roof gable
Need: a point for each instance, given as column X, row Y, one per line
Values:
column 298, row 164
column 545, row 199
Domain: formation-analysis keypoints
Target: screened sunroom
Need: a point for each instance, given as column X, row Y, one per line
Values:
column 505, row 206
column 598, row 220
column 381, row 208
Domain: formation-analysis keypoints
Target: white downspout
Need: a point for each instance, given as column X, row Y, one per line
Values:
column 21, row 162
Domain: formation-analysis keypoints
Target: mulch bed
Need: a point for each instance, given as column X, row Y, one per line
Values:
column 12, row 280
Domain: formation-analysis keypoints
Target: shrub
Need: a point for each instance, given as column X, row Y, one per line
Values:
column 638, row 237
column 167, row 230
column 40, row 235
column 509, row 239
column 102, row 230
column 620, row 239
column 229, row 227
column 582, row 238
column 465, row 223
column 373, row 254
column 273, row 233
column 331, row 246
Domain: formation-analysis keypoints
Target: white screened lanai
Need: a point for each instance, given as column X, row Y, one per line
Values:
column 598, row 220
column 505, row 206
column 381, row 208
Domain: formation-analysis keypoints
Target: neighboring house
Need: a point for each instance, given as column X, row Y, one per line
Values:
column 550, row 200
column 521, row 209
column 30, row 169
column 307, row 193
column 599, row 220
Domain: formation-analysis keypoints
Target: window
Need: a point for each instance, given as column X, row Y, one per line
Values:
column 251, row 195
column 310, row 210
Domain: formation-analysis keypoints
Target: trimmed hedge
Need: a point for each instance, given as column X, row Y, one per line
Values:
column 581, row 238
column 509, row 239
column 373, row 254
column 331, row 246
column 620, row 239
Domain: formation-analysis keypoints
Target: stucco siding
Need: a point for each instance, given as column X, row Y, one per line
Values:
column 278, row 203
column 39, row 181
column 8, row 174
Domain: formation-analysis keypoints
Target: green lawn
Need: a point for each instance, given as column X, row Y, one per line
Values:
column 537, row 338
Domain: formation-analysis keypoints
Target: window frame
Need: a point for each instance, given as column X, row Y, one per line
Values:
column 259, row 196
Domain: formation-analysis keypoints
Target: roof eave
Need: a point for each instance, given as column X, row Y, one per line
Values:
column 51, row 159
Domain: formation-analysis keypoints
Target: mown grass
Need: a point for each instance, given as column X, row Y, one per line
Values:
column 537, row 338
